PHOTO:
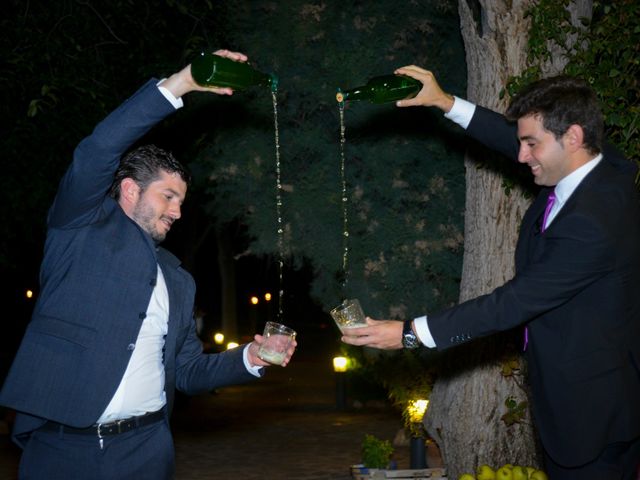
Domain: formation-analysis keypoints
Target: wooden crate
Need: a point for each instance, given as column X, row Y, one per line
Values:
column 420, row 474
column 380, row 474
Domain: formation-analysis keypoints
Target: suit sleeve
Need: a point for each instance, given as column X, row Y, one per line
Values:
column 577, row 252
column 494, row 131
column 95, row 160
column 197, row 372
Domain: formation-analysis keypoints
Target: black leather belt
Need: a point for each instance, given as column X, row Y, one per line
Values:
column 112, row 428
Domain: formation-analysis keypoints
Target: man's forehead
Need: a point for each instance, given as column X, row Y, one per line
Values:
column 530, row 124
column 171, row 181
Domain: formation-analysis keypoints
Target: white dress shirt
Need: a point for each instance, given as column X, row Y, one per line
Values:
column 141, row 389
column 461, row 113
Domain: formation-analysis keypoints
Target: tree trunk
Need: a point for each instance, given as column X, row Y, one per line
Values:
column 468, row 399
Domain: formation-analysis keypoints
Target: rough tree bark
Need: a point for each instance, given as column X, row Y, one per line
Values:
column 467, row 401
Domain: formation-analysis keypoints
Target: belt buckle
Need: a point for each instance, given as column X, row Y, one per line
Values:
column 119, row 424
column 100, row 438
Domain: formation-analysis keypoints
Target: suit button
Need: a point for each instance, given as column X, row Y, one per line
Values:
column 131, row 347
column 142, row 316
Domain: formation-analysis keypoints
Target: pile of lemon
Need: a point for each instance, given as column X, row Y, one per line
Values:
column 505, row 472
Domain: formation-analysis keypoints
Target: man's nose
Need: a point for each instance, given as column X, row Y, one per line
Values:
column 175, row 211
column 523, row 154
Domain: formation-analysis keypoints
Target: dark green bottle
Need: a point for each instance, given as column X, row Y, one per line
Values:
column 383, row 89
column 210, row 70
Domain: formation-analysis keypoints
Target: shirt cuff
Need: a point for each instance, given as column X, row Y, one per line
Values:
column 176, row 102
column 461, row 112
column 422, row 331
column 255, row 371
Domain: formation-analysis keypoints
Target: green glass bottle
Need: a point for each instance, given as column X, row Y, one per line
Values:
column 382, row 89
column 210, row 70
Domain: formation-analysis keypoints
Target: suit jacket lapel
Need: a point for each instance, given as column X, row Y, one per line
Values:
column 602, row 170
column 530, row 229
column 169, row 264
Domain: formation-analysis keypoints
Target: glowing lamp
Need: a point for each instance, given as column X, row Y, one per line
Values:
column 254, row 300
column 231, row 345
column 416, row 409
column 340, row 364
column 218, row 338
column 267, row 297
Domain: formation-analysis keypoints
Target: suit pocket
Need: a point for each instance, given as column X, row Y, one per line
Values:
column 63, row 330
column 592, row 365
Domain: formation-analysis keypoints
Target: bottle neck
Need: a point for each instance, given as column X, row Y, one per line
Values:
column 354, row 94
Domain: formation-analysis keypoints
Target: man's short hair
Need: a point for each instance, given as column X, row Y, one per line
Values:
column 562, row 101
column 144, row 165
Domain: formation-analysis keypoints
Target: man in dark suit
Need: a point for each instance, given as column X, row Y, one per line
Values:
column 112, row 334
column 576, row 283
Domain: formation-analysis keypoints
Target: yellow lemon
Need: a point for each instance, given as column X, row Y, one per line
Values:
column 530, row 471
column 504, row 473
column 519, row 473
column 485, row 472
column 538, row 475
column 466, row 476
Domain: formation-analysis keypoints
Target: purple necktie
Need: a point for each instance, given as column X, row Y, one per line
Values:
column 547, row 210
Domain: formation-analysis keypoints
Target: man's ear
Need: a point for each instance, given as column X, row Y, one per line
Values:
column 574, row 137
column 129, row 191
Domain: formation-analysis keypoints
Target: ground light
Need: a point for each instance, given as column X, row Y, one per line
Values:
column 415, row 410
column 340, row 366
column 231, row 345
column 218, row 338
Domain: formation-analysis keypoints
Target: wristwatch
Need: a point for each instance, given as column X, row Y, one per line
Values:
column 409, row 339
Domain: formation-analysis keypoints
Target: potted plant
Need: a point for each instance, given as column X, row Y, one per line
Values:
column 376, row 455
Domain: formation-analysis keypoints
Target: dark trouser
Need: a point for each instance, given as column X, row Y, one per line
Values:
column 144, row 453
column 620, row 461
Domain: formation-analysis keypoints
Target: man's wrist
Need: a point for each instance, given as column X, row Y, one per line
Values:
column 421, row 327
column 254, row 370
column 409, row 338
column 461, row 112
column 168, row 94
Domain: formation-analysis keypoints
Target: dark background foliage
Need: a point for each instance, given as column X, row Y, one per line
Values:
column 66, row 64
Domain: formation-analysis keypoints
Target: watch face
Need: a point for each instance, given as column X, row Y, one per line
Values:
column 409, row 340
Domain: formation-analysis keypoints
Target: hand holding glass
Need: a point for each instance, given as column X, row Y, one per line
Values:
column 349, row 315
column 276, row 342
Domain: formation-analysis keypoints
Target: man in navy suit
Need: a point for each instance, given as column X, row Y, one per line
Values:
column 112, row 334
column 576, row 283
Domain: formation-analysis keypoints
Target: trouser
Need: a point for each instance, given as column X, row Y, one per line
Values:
column 144, row 453
column 619, row 461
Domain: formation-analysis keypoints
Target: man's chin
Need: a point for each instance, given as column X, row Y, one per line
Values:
column 158, row 237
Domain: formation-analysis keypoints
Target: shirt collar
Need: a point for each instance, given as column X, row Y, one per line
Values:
column 568, row 184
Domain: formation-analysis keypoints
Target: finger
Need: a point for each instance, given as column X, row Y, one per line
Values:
column 411, row 102
column 412, row 71
column 221, row 91
column 237, row 56
column 358, row 341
